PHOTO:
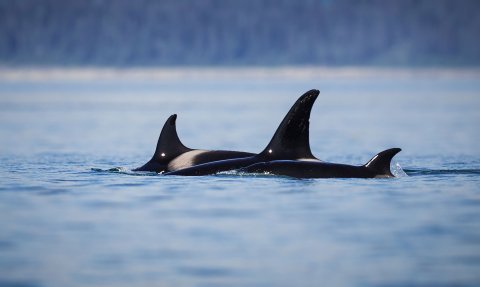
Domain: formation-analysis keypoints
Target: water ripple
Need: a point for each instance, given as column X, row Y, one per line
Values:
column 205, row 271
column 123, row 170
column 413, row 172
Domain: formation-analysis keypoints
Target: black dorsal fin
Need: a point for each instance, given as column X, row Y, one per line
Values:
column 169, row 145
column 380, row 163
column 291, row 140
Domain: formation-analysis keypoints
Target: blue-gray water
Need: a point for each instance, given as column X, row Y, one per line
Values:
column 65, row 220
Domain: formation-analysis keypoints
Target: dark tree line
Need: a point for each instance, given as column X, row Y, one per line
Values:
column 240, row 32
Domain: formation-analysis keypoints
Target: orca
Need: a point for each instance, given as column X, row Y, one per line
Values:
column 171, row 154
column 377, row 167
column 290, row 142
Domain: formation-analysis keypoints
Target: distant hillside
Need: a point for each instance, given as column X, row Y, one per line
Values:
column 239, row 32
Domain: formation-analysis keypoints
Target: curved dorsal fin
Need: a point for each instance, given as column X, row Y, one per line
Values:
column 169, row 145
column 291, row 140
column 380, row 163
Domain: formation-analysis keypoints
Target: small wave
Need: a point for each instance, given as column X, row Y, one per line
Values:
column 123, row 170
column 240, row 172
column 413, row 172
column 228, row 172
column 113, row 170
column 259, row 175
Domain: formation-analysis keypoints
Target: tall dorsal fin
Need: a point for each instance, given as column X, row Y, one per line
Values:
column 380, row 163
column 291, row 140
column 169, row 145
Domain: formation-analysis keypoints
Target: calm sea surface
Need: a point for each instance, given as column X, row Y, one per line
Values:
column 73, row 214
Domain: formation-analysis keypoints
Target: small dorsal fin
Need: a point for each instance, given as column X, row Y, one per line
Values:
column 291, row 140
column 380, row 163
column 169, row 145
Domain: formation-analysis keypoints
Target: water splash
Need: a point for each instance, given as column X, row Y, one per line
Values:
column 242, row 173
column 398, row 171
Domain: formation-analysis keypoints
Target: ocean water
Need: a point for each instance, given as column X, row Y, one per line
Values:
column 73, row 214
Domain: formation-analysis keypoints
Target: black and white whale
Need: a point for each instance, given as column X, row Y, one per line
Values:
column 290, row 142
column 170, row 153
column 377, row 167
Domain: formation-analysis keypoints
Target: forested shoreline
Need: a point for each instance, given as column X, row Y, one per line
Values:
column 123, row 33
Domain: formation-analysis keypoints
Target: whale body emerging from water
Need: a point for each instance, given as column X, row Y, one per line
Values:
column 377, row 167
column 290, row 142
column 170, row 153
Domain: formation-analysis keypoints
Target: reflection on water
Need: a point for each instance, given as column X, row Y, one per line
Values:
column 73, row 213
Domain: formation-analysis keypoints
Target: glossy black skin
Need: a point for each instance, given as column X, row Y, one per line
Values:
column 169, row 148
column 304, row 169
column 290, row 142
column 377, row 167
column 217, row 166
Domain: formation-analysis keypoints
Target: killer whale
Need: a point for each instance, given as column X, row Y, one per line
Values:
column 289, row 142
column 377, row 167
column 171, row 154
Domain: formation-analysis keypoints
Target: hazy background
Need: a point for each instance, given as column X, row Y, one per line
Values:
column 86, row 85
column 124, row 33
